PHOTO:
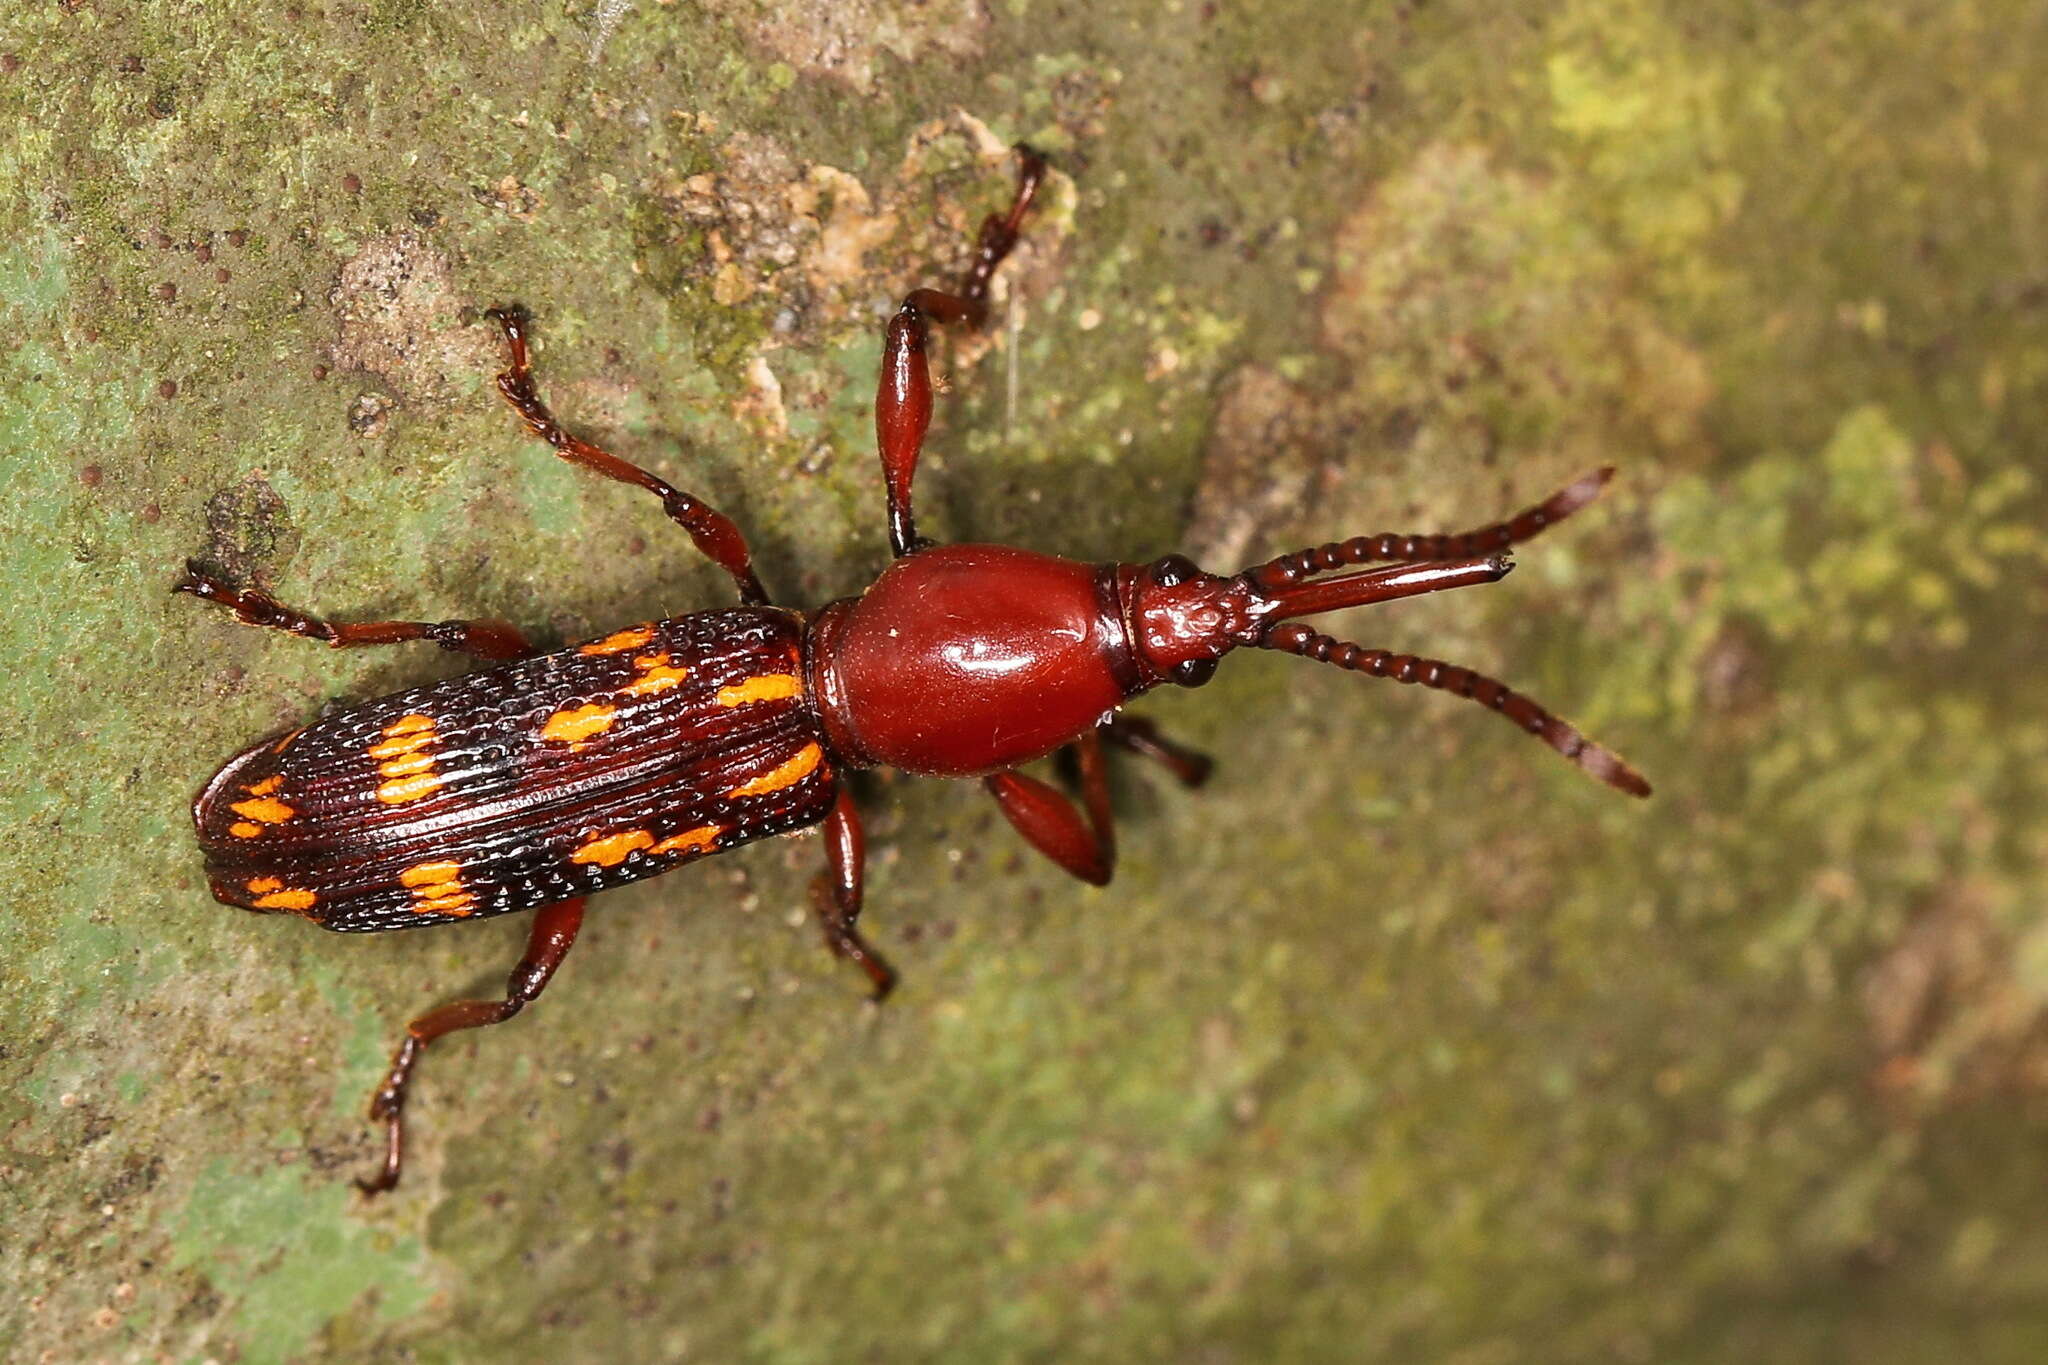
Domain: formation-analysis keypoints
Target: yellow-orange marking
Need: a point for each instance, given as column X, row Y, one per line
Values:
column 403, row 758
column 404, row 744
column 767, row 687
column 609, row 850
column 658, row 676
column 242, row 829
column 271, row 894
column 788, row 773
column 569, row 726
column 437, row 889
column 620, row 642
column 267, row 809
column 281, row 744
column 427, row 874
column 267, row 785
column 698, row 840
column 408, row 789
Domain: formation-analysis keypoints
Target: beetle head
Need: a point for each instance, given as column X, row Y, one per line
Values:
column 1184, row 620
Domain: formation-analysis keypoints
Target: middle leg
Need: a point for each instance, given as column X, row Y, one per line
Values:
column 837, row 892
column 711, row 530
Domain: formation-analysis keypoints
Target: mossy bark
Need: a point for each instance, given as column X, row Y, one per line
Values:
column 1401, row 1041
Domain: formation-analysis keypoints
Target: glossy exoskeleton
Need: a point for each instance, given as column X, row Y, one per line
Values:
column 547, row 777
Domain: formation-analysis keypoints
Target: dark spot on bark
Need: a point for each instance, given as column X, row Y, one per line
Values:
column 249, row 532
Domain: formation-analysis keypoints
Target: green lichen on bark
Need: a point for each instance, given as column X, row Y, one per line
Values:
column 1399, row 1042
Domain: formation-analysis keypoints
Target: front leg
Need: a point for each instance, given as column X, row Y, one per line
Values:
column 1140, row 736
column 1084, row 846
column 903, row 403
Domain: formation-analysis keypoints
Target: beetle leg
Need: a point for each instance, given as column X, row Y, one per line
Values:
column 493, row 640
column 554, row 933
column 712, row 531
column 1084, row 847
column 836, row 894
column 903, row 402
column 1141, row 736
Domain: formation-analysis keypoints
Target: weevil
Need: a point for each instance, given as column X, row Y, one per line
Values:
column 548, row 777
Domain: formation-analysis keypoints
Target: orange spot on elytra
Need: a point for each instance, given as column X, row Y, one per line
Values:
column 408, row 788
column 404, row 744
column 767, row 687
column 286, row 741
column 411, row 772
column 609, row 850
column 659, row 677
column 569, row 726
column 267, row 785
column 271, row 894
column 242, row 829
column 620, row 642
column 789, row 772
column 268, row 809
column 427, row 874
column 437, row 889
column 696, row 840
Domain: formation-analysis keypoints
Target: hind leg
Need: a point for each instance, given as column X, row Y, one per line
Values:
column 554, row 933
column 493, row 640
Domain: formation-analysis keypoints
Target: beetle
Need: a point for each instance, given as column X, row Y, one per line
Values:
column 534, row 783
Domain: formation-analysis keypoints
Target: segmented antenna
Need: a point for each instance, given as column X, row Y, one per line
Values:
column 1291, row 568
column 1605, row 764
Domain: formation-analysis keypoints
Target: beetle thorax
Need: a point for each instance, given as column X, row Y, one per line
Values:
column 967, row 659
